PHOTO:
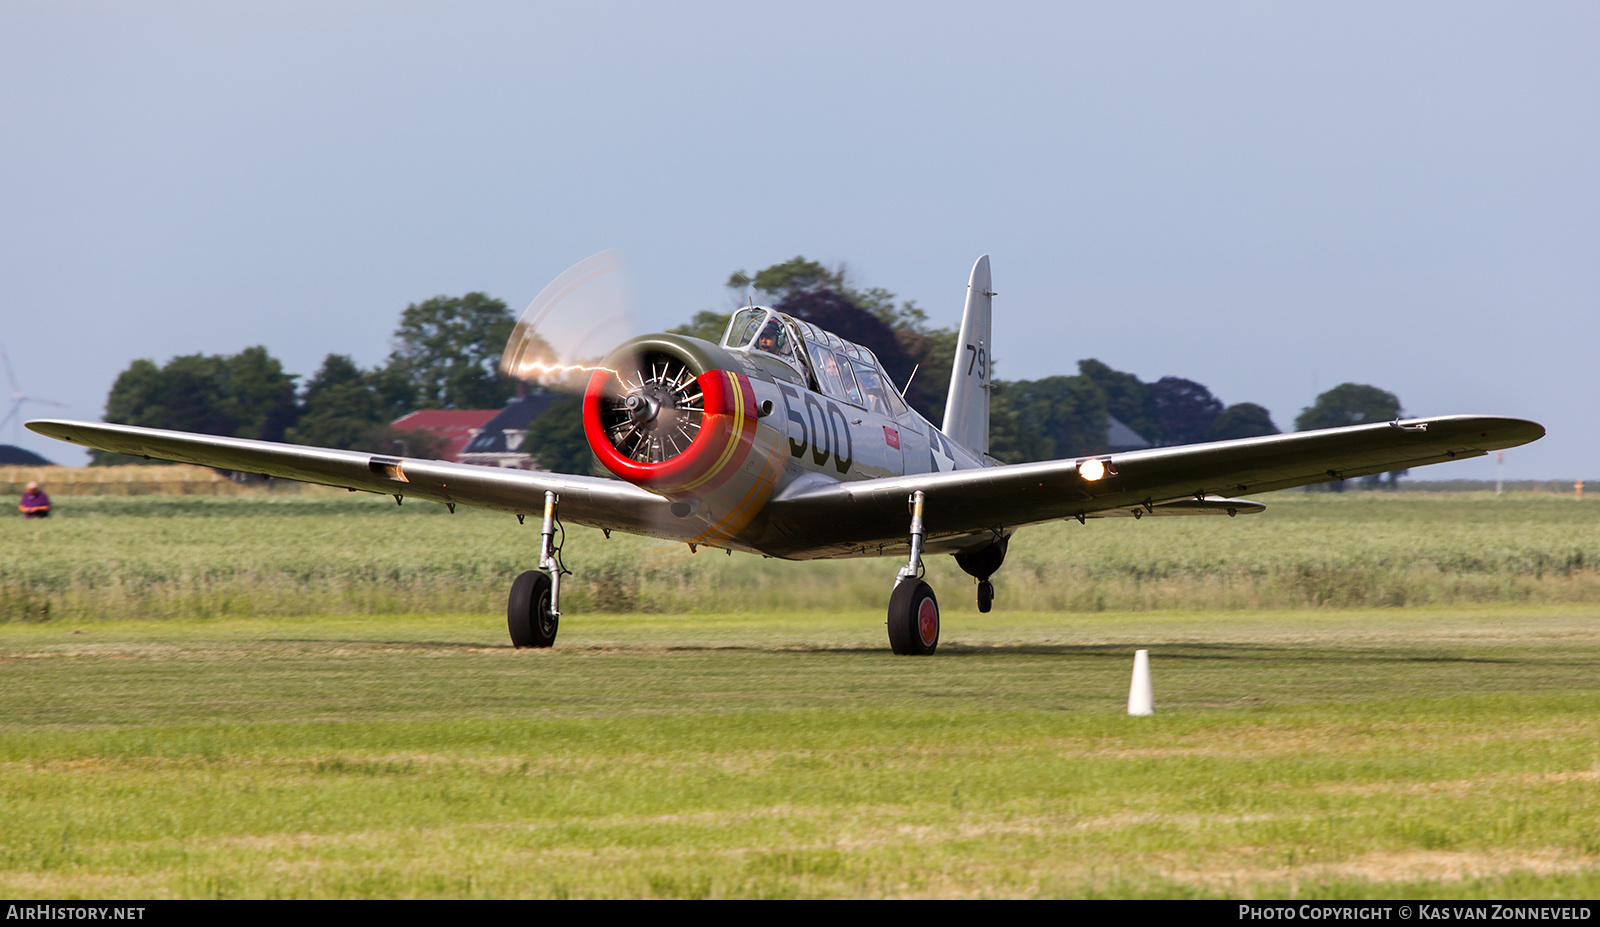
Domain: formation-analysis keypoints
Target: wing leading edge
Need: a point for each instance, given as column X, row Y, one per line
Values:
column 963, row 503
column 585, row 500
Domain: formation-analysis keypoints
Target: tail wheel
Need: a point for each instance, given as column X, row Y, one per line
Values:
column 654, row 410
column 913, row 619
column 529, row 618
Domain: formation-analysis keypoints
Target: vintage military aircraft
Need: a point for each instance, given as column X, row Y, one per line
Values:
column 788, row 441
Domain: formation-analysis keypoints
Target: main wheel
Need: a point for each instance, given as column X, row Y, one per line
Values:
column 528, row 614
column 985, row 595
column 913, row 619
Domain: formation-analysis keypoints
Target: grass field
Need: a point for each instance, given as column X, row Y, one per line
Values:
column 1436, row 750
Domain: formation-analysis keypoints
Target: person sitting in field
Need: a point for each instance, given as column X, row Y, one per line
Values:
column 35, row 504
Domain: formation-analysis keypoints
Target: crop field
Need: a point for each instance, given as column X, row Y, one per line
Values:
column 329, row 552
column 312, row 696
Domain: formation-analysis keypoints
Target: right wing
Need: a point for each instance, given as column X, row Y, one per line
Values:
column 585, row 500
column 964, row 503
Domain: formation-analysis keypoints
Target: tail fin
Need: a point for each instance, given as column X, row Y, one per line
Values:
column 966, row 408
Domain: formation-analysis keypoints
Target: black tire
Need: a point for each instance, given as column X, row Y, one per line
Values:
column 985, row 596
column 913, row 629
column 528, row 615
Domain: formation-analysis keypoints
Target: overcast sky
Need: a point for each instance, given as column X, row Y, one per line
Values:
column 1270, row 199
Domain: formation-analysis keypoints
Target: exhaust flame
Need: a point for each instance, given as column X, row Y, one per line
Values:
column 532, row 370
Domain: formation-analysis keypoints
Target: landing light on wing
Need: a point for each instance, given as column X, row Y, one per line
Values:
column 1091, row 469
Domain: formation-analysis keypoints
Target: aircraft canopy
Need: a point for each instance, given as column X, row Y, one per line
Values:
column 835, row 367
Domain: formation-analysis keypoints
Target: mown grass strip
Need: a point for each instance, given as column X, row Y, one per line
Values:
column 1420, row 753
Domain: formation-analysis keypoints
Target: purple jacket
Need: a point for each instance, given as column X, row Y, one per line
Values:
column 34, row 500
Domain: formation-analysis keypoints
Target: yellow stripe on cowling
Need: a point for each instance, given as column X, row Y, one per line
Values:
column 734, row 435
column 751, row 504
column 746, row 509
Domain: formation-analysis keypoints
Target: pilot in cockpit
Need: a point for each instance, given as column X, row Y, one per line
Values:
column 773, row 339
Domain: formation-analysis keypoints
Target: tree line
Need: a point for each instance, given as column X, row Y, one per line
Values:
column 444, row 355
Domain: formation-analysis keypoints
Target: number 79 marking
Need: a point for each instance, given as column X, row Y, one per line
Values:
column 979, row 361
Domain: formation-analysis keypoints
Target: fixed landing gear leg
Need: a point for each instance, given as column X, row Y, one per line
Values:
column 913, row 608
column 913, row 568
column 533, row 612
column 547, row 554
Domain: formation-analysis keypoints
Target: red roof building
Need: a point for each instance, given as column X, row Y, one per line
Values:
column 456, row 426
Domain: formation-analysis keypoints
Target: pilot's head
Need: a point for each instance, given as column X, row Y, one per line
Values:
column 768, row 341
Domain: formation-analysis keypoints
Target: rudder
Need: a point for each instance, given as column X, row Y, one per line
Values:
column 966, row 407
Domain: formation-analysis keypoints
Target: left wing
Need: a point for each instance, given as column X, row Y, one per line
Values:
column 585, row 500
column 964, row 502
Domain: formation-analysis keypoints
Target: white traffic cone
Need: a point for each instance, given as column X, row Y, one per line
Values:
column 1141, row 698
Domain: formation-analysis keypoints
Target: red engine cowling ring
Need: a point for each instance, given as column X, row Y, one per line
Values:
column 726, row 433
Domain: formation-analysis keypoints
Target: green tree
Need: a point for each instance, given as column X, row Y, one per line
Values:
column 933, row 355
column 184, row 394
column 556, row 440
column 243, row 395
column 1349, row 404
column 345, row 407
column 1047, row 419
column 1243, row 420
column 799, row 275
column 340, row 406
column 1184, row 408
column 707, row 325
column 258, row 395
column 1127, row 398
column 789, row 279
column 394, row 390
column 447, row 348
